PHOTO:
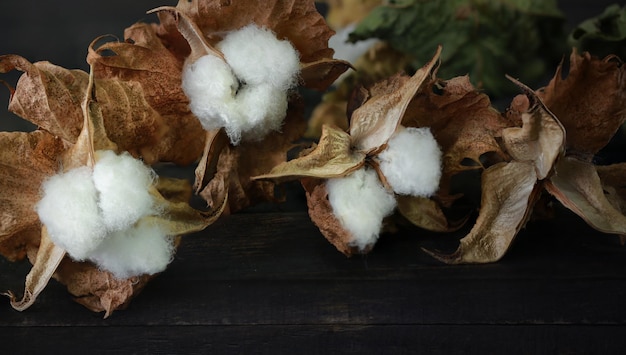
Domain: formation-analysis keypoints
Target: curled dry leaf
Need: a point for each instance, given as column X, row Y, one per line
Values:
column 143, row 60
column 612, row 178
column 372, row 124
column 589, row 101
column 578, row 187
column 332, row 157
column 507, row 192
column 375, row 66
column 426, row 213
column 295, row 20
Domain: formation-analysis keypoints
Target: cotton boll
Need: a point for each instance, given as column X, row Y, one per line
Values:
column 144, row 249
column 412, row 162
column 256, row 56
column 360, row 202
column 264, row 109
column 69, row 210
column 210, row 85
column 122, row 182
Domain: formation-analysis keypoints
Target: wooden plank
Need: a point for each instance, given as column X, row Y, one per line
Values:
column 320, row 339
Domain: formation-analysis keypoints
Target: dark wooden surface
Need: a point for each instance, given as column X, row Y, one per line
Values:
column 267, row 282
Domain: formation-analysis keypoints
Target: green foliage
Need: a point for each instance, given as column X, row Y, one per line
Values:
column 602, row 35
column 483, row 38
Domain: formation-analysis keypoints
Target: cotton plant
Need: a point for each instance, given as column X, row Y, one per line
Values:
column 104, row 226
column 240, row 75
column 353, row 179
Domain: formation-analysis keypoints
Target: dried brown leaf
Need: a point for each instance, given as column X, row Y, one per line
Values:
column 319, row 75
column 98, row 290
column 46, row 262
column 48, row 96
column 508, row 189
column 372, row 124
column 426, row 213
column 577, row 186
column 540, row 140
column 26, row 160
column 590, row 102
column 332, row 157
column 612, row 178
column 144, row 98
column 295, row 20
column 321, row 213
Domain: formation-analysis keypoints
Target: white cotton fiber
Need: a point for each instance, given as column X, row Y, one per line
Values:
column 360, row 202
column 412, row 162
column 246, row 94
column 210, row 86
column 144, row 249
column 264, row 109
column 69, row 209
column 93, row 215
column 122, row 182
column 257, row 57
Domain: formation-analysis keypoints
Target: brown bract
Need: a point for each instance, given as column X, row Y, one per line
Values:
column 589, row 101
column 144, row 62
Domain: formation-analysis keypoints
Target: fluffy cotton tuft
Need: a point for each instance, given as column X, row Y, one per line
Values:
column 210, row 86
column 412, row 162
column 122, row 182
column 69, row 210
column 93, row 215
column 257, row 57
column 360, row 202
column 144, row 249
column 247, row 94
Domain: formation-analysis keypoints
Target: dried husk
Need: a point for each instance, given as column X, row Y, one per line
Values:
column 145, row 64
column 333, row 157
column 321, row 214
column 372, row 124
column 578, row 187
column 508, row 189
column 237, row 165
column 589, row 101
